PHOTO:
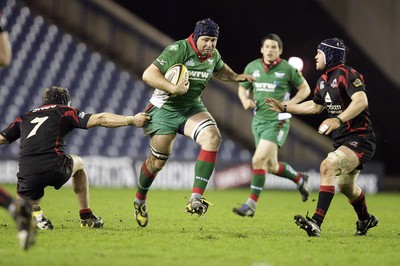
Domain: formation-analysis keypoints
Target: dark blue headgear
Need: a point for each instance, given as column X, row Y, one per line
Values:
column 334, row 50
column 205, row 27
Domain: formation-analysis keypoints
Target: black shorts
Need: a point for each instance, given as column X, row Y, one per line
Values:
column 32, row 186
column 364, row 147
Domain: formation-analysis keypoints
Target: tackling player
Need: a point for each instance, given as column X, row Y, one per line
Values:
column 341, row 91
column 178, row 109
column 42, row 159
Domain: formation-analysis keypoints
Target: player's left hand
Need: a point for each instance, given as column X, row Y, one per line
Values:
column 275, row 105
column 141, row 119
column 328, row 125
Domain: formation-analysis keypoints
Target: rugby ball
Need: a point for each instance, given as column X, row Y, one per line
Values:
column 176, row 73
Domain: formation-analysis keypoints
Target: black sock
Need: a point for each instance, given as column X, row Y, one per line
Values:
column 325, row 197
column 360, row 207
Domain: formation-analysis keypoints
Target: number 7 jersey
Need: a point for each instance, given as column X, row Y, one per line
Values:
column 43, row 134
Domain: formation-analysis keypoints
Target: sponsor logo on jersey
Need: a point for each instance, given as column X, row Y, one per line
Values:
column 173, row 47
column 161, row 61
column 357, row 83
column 261, row 86
column 256, row 73
column 189, row 62
column 279, row 75
column 211, row 61
column 199, row 75
column 43, row 108
column 321, row 85
column 81, row 114
column 334, row 83
column 330, row 107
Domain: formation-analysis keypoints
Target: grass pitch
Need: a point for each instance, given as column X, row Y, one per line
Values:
column 173, row 237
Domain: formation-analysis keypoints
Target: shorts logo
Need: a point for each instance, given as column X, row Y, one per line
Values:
column 353, row 143
column 357, row 83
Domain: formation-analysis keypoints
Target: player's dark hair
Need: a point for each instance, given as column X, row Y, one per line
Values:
column 274, row 37
column 57, row 95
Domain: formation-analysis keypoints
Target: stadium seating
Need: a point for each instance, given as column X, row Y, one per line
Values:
column 43, row 55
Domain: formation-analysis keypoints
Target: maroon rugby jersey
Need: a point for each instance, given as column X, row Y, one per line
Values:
column 43, row 133
column 334, row 90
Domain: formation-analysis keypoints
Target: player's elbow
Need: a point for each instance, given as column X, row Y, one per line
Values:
column 97, row 120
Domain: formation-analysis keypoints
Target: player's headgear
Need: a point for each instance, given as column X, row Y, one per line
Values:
column 205, row 27
column 57, row 95
column 334, row 50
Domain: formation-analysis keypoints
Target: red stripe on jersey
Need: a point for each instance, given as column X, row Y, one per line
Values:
column 207, row 156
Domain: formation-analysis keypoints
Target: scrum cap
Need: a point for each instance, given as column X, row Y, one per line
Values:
column 57, row 95
column 205, row 27
column 334, row 50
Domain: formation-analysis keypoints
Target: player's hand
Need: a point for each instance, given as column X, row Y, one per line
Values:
column 248, row 104
column 181, row 88
column 244, row 77
column 275, row 105
column 328, row 125
column 141, row 119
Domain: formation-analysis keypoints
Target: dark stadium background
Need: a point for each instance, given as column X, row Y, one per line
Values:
column 301, row 25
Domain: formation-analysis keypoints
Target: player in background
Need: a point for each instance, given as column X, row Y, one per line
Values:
column 341, row 91
column 179, row 109
column 274, row 78
column 19, row 209
column 42, row 159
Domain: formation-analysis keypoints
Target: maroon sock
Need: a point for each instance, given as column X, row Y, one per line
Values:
column 85, row 213
column 360, row 206
column 325, row 197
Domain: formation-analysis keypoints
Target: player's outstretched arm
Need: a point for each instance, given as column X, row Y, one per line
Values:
column 304, row 108
column 227, row 74
column 114, row 120
column 3, row 140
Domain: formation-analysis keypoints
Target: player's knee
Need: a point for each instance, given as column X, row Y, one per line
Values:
column 327, row 168
column 155, row 163
column 211, row 138
column 78, row 163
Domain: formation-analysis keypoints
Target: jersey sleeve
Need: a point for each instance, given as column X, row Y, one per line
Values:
column 12, row 132
column 297, row 77
column 77, row 118
column 355, row 82
column 317, row 96
column 220, row 63
column 245, row 84
column 172, row 54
